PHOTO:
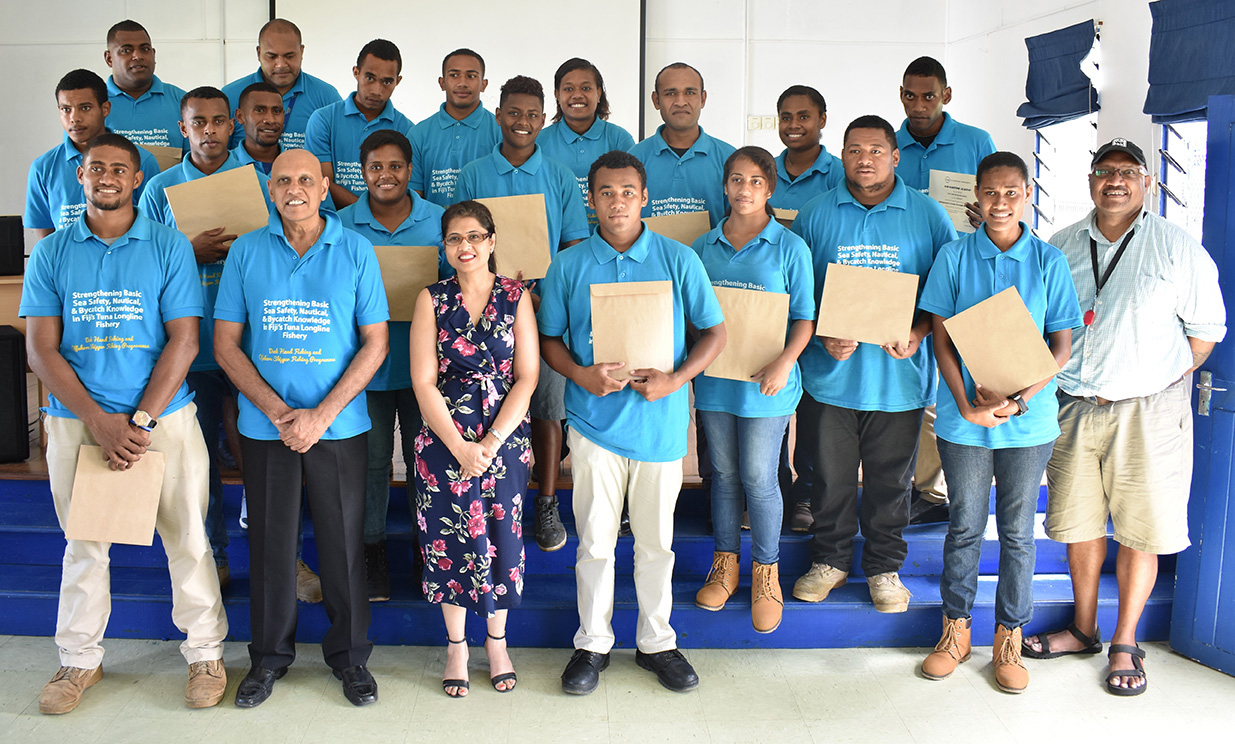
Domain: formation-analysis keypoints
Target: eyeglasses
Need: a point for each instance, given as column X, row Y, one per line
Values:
column 1128, row 173
column 455, row 239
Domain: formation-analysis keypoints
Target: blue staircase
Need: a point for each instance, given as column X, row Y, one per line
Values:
column 32, row 545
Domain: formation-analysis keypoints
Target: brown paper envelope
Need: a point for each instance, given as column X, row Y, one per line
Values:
column 754, row 323
column 115, row 506
column 1000, row 344
column 785, row 216
column 232, row 200
column 632, row 322
column 522, row 235
column 405, row 271
column 871, row 306
column 684, row 228
column 166, row 157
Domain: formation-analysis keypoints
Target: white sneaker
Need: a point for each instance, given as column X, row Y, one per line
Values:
column 244, row 511
column 888, row 593
column 818, row 582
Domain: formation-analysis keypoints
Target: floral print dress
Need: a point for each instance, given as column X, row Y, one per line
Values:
column 471, row 530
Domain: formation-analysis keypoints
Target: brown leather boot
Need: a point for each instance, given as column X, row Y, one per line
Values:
column 207, row 683
column 1010, row 674
column 63, row 692
column 722, row 582
column 766, row 602
column 953, row 649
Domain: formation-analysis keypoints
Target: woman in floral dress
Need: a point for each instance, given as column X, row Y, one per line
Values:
column 474, row 365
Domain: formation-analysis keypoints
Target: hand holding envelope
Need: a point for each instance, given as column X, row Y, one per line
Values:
column 214, row 210
column 749, row 346
column 114, row 506
column 863, row 305
column 1001, row 345
column 632, row 323
column 522, row 235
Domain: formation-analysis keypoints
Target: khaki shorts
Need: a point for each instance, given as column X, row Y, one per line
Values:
column 1131, row 459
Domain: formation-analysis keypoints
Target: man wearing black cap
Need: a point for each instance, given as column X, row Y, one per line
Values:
column 1153, row 312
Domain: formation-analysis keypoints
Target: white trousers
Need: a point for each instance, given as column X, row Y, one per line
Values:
column 85, row 584
column 602, row 481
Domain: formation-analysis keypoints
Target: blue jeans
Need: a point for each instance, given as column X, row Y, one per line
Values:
column 745, row 456
column 382, row 407
column 209, row 388
column 1018, row 476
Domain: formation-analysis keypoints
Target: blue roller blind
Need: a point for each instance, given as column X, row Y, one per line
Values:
column 1191, row 57
column 1057, row 89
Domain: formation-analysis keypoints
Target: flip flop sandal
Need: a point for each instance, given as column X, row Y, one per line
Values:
column 500, row 678
column 1093, row 645
column 460, row 684
column 1139, row 671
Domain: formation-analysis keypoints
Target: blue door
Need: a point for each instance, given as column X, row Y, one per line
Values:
column 1203, row 617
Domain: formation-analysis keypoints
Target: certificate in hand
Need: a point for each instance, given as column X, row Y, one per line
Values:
column 953, row 191
column 114, row 506
column 632, row 322
column 753, row 320
column 522, row 235
column 231, row 200
column 1001, row 345
column 870, row 306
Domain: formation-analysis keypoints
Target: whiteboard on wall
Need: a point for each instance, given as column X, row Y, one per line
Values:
column 530, row 39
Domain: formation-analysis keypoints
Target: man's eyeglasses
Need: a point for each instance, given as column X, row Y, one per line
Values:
column 1128, row 173
column 455, row 239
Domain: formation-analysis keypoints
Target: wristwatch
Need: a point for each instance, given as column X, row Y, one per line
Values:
column 143, row 420
column 1021, row 405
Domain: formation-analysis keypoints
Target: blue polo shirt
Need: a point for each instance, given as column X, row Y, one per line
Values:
column 775, row 261
column 113, row 301
column 303, row 316
column 151, row 119
column 578, row 151
column 825, row 174
column 154, row 204
column 442, row 145
column 493, row 176
column 971, row 270
column 54, row 198
column 957, row 148
column 245, row 159
column 299, row 102
column 334, row 134
column 624, row 422
column 691, row 183
column 902, row 233
column 422, row 227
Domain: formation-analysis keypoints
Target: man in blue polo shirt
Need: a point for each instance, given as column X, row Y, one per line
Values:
column 685, row 164
column 54, row 197
column 388, row 213
column 143, row 108
column 206, row 124
column 461, row 130
column 516, row 166
column 334, row 132
column 260, row 115
column 627, row 438
column 112, row 306
column 930, row 139
column 867, row 400
column 309, row 294
column 280, row 53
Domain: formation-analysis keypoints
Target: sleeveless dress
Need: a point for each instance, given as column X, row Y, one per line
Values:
column 471, row 531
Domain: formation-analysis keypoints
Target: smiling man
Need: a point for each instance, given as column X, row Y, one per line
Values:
column 144, row 109
column 305, row 296
column 112, row 307
column 865, row 400
column 260, row 115
column 280, row 53
column 461, row 130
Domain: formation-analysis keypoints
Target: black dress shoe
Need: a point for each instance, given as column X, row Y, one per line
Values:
column 359, row 687
column 257, row 686
column 583, row 672
column 671, row 668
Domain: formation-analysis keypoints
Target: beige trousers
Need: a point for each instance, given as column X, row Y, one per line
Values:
column 928, row 472
column 85, row 585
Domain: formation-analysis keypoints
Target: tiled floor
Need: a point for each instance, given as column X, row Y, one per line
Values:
column 782, row 696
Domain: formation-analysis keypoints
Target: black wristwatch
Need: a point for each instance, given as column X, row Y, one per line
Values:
column 1021, row 405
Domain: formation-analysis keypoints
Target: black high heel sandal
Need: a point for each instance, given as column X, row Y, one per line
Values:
column 507, row 677
column 461, row 685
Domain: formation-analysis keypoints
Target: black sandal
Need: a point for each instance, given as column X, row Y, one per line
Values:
column 461, row 685
column 506, row 677
column 1139, row 671
column 1093, row 644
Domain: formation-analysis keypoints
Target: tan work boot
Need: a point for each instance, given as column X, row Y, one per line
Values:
column 818, row 582
column 888, row 593
column 766, row 603
column 63, row 692
column 722, row 582
column 953, row 649
column 207, row 683
column 308, row 585
column 1010, row 674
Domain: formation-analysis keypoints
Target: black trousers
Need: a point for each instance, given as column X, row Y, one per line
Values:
column 332, row 475
column 886, row 446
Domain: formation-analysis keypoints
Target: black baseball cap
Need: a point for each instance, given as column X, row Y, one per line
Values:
column 1119, row 144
